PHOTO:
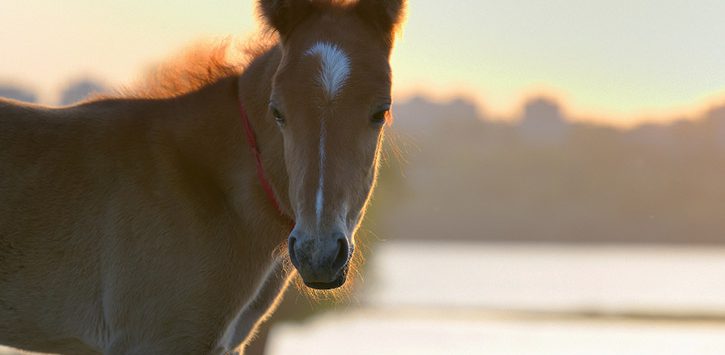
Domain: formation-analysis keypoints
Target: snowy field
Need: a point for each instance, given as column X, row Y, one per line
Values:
column 527, row 299
column 364, row 332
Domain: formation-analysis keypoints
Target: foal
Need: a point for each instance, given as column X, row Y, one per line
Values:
column 149, row 226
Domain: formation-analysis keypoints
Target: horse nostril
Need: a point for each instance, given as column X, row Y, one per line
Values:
column 343, row 253
column 291, row 250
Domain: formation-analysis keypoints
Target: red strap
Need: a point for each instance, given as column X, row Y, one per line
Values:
column 252, row 143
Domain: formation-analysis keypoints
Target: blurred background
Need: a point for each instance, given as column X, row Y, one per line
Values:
column 553, row 183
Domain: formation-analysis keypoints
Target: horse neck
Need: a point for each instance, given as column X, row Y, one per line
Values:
column 208, row 132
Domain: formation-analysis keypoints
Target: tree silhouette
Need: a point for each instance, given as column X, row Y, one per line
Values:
column 17, row 93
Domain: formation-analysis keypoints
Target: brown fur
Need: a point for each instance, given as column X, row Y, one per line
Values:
column 136, row 225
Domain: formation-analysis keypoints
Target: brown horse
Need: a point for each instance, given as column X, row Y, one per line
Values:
column 148, row 226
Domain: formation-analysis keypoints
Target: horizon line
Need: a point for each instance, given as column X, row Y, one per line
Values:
column 570, row 110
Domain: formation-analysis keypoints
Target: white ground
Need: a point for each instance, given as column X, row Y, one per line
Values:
column 364, row 332
column 526, row 299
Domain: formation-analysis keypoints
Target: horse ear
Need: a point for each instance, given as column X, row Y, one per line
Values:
column 284, row 15
column 384, row 14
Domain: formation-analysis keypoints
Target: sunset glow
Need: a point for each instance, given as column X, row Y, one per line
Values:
column 633, row 60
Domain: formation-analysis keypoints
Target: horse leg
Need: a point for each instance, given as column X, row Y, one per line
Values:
column 261, row 307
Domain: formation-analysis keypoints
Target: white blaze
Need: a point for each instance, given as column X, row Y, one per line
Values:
column 335, row 67
column 320, row 199
column 334, row 72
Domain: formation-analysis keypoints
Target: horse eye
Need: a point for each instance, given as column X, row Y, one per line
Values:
column 379, row 118
column 278, row 117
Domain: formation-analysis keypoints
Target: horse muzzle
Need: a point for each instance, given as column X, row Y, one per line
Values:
column 323, row 262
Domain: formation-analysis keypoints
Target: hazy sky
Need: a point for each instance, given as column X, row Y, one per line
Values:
column 610, row 57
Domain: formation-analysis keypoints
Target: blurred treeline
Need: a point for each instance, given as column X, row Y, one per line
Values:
column 72, row 92
column 544, row 176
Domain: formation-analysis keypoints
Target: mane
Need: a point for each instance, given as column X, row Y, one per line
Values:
column 200, row 64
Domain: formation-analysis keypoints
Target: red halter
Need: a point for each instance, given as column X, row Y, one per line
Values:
column 261, row 176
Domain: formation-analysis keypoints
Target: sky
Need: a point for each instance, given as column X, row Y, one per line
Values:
column 625, row 60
